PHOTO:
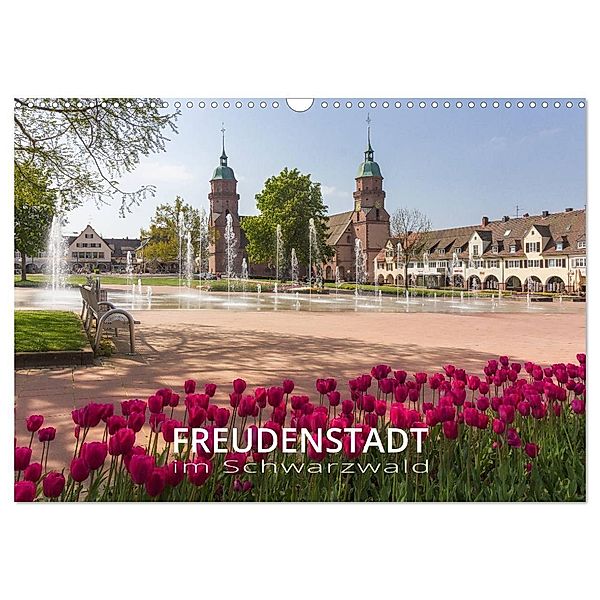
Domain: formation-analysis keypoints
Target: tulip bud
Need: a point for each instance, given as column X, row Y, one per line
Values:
column 79, row 470
column 34, row 422
column 53, row 484
column 33, row 472
column 22, row 458
column 24, row 491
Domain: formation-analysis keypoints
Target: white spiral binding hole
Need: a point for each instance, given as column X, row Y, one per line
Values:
column 305, row 104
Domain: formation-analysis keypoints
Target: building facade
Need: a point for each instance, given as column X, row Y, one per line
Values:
column 537, row 253
column 88, row 251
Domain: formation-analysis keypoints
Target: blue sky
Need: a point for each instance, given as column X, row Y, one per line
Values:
column 454, row 164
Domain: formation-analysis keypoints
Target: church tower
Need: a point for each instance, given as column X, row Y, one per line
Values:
column 224, row 200
column 371, row 221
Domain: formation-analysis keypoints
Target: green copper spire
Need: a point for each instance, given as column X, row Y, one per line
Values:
column 223, row 171
column 369, row 168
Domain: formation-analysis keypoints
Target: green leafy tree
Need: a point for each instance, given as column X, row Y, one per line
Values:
column 34, row 209
column 289, row 199
column 85, row 145
column 165, row 227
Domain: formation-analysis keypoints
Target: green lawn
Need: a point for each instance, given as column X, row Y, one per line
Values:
column 48, row 330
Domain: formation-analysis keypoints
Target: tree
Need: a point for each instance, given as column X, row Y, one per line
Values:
column 34, row 209
column 84, row 146
column 290, row 200
column 168, row 222
column 412, row 228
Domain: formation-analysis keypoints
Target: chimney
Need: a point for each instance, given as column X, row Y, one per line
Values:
column 545, row 213
column 525, row 215
column 568, row 209
column 505, row 218
column 484, row 221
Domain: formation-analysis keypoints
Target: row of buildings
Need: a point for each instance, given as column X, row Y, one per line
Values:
column 545, row 252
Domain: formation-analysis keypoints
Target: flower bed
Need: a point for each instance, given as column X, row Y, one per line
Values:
column 516, row 432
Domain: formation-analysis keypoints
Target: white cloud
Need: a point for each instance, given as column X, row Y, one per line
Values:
column 332, row 192
column 153, row 172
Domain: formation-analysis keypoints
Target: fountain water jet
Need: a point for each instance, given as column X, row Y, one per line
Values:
column 278, row 255
column 56, row 252
column 231, row 252
column 294, row 267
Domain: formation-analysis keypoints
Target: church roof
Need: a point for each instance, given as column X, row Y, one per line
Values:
column 223, row 172
column 369, row 168
column 337, row 225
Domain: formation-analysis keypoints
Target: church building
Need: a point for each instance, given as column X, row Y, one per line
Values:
column 367, row 221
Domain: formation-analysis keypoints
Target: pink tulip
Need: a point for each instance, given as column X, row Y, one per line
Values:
column 53, row 484
column 275, row 396
column 47, row 434
column 168, row 429
column 155, row 482
column 288, row 386
column 507, row 413
column 400, row 376
column 22, row 458
column 79, row 470
column 34, row 422
column 210, row 389
column 94, row 454
column 24, row 491
column 189, row 387
column 450, row 429
column 513, row 439
column 155, row 404
column 578, row 406
column 532, row 450
column 140, row 468
column 174, row 473
column 115, row 423
column 498, row 426
column 136, row 421
column 33, row 472
column 222, row 417
column 121, row 442
column 239, row 385
column 199, row 471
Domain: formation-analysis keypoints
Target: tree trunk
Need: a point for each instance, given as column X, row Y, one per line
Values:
column 23, row 267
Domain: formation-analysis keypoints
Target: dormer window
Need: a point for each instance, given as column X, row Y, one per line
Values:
column 441, row 250
column 475, row 250
column 495, row 248
column 559, row 246
column 581, row 245
column 513, row 248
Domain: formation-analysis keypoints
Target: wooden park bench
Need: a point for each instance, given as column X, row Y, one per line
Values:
column 104, row 315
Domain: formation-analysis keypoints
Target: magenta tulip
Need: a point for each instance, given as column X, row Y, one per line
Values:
column 140, row 468
column 210, row 389
column 34, row 422
column 189, row 386
column 239, row 385
column 94, row 454
column 79, row 470
column 22, row 458
column 53, row 484
column 33, row 472
column 156, row 482
column 47, row 434
column 288, row 386
column 532, row 450
column 24, row 491
column 450, row 429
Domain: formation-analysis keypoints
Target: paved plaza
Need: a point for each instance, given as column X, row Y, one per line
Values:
column 265, row 347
